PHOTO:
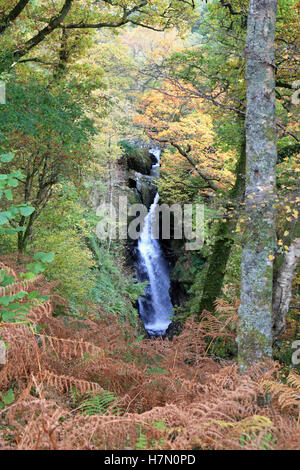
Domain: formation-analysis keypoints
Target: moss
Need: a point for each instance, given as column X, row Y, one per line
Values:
column 224, row 240
column 147, row 192
column 139, row 160
column 217, row 265
column 253, row 346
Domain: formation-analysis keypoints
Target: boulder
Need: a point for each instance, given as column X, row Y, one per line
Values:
column 139, row 160
column 174, row 329
column 145, row 186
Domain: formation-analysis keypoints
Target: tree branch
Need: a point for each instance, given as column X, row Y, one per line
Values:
column 229, row 6
column 185, row 154
column 282, row 84
column 54, row 23
column 125, row 19
column 15, row 12
column 287, row 132
column 36, row 59
column 198, row 94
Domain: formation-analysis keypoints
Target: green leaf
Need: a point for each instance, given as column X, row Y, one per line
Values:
column 3, row 218
column 17, row 174
column 9, row 316
column 44, row 257
column 6, row 157
column 12, row 182
column 36, row 268
column 26, row 210
column 33, row 295
column 8, row 194
column 157, row 370
column 29, row 276
column 13, row 211
column 6, row 299
column 8, row 398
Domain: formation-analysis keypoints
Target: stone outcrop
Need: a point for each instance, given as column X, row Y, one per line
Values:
column 139, row 160
column 145, row 187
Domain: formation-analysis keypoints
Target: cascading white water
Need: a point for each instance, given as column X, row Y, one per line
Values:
column 155, row 306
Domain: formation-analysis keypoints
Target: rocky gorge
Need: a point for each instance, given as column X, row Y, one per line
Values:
column 139, row 182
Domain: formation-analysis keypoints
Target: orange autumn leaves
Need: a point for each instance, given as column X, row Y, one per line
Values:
column 170, row 118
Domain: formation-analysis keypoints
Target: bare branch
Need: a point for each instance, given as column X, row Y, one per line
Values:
column 36, row 59
column 287, row 132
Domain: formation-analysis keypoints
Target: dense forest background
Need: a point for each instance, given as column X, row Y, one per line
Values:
column 90, row 87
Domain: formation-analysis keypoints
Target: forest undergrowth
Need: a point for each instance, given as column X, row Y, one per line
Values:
column 91, row 383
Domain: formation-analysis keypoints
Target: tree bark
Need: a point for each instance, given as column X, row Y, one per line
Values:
column 255, row 312
column 12, row 15
column 54, row 23
column 284, row 273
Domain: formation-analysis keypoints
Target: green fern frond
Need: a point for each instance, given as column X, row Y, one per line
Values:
column 100, row 404
column 141, row 442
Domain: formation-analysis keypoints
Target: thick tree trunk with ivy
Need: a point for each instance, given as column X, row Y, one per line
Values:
column 218, row 259
column 255, row 312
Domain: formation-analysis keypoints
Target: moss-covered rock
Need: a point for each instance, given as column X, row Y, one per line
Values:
column 147, row 192
column 139, row 160
column 144, row 185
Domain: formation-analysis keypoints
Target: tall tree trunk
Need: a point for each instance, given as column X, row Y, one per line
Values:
column 284, row 273
column 255, row 312
column 218, row 259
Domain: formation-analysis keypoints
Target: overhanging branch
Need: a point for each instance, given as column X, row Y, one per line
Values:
column 15, row 12
column 185, row 154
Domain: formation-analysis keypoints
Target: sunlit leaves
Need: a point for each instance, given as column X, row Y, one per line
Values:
column 170, row 118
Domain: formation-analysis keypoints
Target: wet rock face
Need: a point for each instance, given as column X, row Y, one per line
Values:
column 147, row 194
column 178, row 293
column 146, row 188
column 184, row 267
column 174, row 329
column 140, row 160
column 137, row 165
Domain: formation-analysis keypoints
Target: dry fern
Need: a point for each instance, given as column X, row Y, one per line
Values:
column 64, row 383
column 286, row 395
column 172, row 395
column 70, row 349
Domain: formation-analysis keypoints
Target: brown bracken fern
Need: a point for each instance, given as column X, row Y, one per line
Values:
column 160, row 394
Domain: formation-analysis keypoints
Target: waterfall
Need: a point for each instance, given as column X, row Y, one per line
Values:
column 155, row 306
